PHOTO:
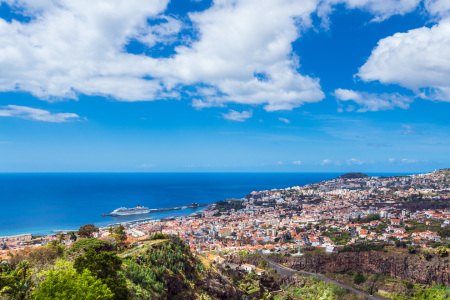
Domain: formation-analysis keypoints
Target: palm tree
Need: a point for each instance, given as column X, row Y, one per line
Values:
column 19, row 283
column 18, row 289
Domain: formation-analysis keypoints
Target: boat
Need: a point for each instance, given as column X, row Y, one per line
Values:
column 123, row 211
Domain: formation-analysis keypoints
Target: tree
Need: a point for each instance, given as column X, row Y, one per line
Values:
column 97, row 245
column 18, row 284
column 120, row 235
column 63, row 282
column 61, row 238
column 87, row 230
column 105, row 266
column 73, row 236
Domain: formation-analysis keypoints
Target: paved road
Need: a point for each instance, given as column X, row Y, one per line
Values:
column 289, row 272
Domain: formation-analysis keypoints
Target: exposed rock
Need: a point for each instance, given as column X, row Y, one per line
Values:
column 218, row 286
column 405, row 267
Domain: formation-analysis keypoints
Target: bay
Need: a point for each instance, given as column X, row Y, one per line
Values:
column 38, row 203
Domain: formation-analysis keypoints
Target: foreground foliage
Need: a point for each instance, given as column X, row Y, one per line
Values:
column 63, row 282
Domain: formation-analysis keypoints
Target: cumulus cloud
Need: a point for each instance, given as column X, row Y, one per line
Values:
column 372, row 102
column 381, row 9
column 36, row 114
column 284, row 120
column 238, row 116
column 297, row 162
column 418, row 60
column 241, row 49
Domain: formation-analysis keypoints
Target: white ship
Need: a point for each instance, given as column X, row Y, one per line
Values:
column 123, row 211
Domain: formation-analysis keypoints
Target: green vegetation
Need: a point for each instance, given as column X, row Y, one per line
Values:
column 363, row 247
column 315, row 288
column 87, row 244
column 369, row 218
column 87, row 230
column 359, row 278
column 223, row 206
column 418, row 292
column 104, row 266
column 119, row 235
column 151, row 273
column 63, row 282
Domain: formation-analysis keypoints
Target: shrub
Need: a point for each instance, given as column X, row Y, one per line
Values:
column 63, row 282
column 158, row 236
column 359, row 278
column 411, row 249
column 442, row 252
column 426, row 254
column 97, row 245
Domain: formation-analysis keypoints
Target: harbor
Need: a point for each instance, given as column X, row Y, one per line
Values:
column 154, row 210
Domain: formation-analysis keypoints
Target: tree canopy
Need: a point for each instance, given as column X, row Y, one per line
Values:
column 87, row 230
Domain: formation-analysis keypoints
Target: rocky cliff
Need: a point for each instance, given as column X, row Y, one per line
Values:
column 411, row 267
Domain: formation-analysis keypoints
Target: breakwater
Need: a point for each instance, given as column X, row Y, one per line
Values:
column 154, row 210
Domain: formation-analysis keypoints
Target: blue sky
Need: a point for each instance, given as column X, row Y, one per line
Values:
column 224, row 86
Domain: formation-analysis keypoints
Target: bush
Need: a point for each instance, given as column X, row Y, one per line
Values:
column 442, row 252
column 408, row 284
column 97, row 245
column 359, row 278
column 362, row 247
column 411, row 249
column 158, row 236
column 63, row 282
column 436, row 244
column 426, row 254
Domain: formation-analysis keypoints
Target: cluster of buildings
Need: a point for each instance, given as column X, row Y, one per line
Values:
column 327, row 214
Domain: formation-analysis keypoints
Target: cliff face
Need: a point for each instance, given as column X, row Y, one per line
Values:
column 405, row 267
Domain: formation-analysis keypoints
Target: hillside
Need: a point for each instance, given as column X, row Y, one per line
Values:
column 353, row 175
column 166, row 268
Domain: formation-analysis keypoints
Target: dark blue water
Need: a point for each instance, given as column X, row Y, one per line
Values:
column 40, row 203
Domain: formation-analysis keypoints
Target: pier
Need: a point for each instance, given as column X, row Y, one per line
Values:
column 154, row 210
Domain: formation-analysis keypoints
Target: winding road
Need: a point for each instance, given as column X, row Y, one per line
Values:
column 282, row 270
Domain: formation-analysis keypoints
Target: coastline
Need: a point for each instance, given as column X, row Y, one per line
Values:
column 67, row 208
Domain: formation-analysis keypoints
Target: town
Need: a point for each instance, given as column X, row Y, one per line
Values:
column 354, row 208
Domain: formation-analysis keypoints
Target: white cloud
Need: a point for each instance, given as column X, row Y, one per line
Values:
column 326, row 162
column 392, row 160
column 297, row 162
column 242, row 52
column 36, row 114
column 418, row 60
column 409, row 161
column 73, row 47
column 438, row 8
column 372, row 102
column 284, row 120
column 381, row 9
column 238, row 116
column 354, row 161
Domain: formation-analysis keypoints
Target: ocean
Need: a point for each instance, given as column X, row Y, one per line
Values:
column 39, row 203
